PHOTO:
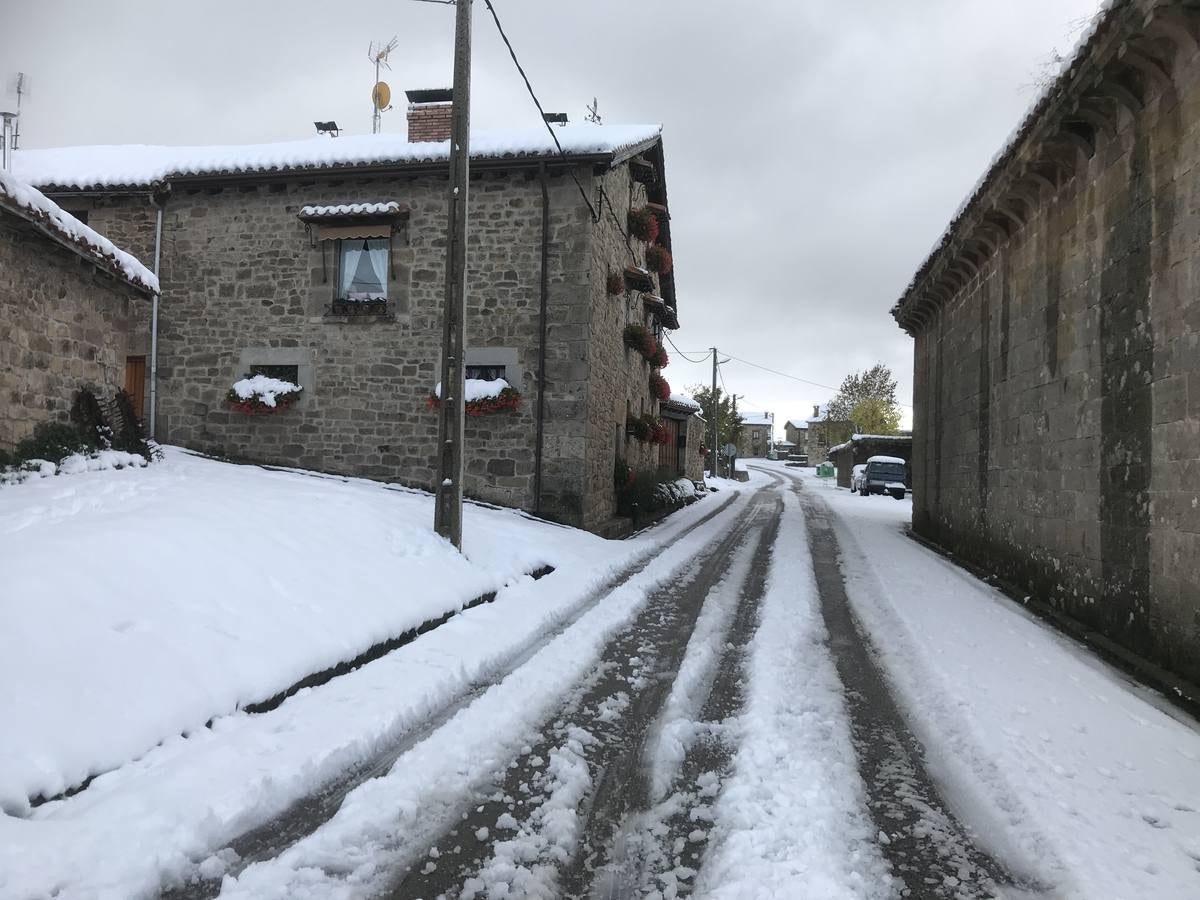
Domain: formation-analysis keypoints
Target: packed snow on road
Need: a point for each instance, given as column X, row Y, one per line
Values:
column 659, row 717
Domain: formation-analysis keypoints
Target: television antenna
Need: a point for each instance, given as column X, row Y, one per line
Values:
column 21, row 86
column 593, row 115
column 381, row 94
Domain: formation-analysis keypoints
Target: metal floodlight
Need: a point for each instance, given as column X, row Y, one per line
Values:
column 329, row 128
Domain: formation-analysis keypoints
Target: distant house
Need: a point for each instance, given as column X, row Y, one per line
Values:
column 321, row 262
column 757, row 434
column 796, row 433
column 824, row 433
column 74, row 312
column 1057, row 358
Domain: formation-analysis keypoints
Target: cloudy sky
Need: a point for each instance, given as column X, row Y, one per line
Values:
column 815, row 148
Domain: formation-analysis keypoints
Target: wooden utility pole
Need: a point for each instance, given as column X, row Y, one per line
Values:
column 716, row 410
column 447, row 515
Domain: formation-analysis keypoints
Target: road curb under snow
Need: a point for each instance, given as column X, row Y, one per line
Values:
column 1180, row 692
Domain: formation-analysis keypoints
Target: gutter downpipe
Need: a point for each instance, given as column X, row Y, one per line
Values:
column 544, row 301
column 158, row 225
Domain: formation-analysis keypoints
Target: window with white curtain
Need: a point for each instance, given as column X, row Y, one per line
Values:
column 363, row 269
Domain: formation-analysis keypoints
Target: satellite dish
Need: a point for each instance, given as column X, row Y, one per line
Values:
column 381, row 95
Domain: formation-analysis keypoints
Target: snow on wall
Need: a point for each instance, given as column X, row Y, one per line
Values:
column 137, row 164
column 16, row 193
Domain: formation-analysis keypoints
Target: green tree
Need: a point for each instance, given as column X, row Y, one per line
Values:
column 730, row 427
column 875, row 384
column 874, row 416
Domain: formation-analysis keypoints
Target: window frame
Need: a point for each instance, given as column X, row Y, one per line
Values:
column 338, row 244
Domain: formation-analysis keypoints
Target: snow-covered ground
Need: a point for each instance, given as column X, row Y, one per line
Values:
column 1073, row 776
column 140, row 604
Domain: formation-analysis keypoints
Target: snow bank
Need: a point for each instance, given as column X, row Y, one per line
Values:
column 98, row 461
column 43, row 209
column 198, row 587
column 132, row 164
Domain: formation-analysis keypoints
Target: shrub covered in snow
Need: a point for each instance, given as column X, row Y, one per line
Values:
column 256, row 394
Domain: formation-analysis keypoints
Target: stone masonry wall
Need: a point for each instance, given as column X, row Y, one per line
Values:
column 620, row 383
column 243, row 284
column 1058, row 395
column 64, row 325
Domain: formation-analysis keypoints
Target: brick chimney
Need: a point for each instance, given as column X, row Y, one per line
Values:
column 429, row 114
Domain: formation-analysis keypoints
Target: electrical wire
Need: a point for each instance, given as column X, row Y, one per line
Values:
column 538, row 104
column 702, row 359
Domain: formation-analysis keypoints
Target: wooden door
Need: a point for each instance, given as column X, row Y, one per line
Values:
column 135, row 383
column 668, row 453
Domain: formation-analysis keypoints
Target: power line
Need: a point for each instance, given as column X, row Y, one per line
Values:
column 538, row 104
column 777, row 372
column 703, row 359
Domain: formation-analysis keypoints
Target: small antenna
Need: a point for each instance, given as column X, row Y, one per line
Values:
column 593, row 115
column 21, row 85
column 381, row 94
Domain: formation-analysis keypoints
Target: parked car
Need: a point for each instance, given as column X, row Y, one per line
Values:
column 856, row 475
column 884, row 475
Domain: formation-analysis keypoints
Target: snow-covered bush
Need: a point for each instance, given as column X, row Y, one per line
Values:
column 261, row 394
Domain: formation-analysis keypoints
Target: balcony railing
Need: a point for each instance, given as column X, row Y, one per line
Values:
column 354, row 308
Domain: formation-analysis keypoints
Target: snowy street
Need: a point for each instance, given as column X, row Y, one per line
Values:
column 773, row 689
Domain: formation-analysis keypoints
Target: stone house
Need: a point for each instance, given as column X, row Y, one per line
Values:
column 74, row 311
column 322, row 261
column 795, row 432
column 824, row 432
column 757, row 434
column 1057, row 359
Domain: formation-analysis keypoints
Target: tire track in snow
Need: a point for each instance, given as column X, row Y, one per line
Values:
column 928, row 848
column 303, row 817
column 544, row 830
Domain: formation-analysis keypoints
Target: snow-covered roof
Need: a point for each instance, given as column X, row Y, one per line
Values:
column 796, row 423
column 881, row 437
column 390, row 208
column 684, row 402
column 822, row 412
column 1069, row 68
column 32, row 204
column 143, row 165
column 887, row 459
column 757, row 418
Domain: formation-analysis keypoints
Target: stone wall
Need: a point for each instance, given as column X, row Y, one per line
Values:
column 244, row 283
column 1057, row 394
column 620, row 383
column 64, row 325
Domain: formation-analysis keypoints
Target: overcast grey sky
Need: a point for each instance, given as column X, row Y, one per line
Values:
column 815, row 148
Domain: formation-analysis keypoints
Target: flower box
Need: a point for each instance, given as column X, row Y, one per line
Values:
column 483, row 397
column 259, row 395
